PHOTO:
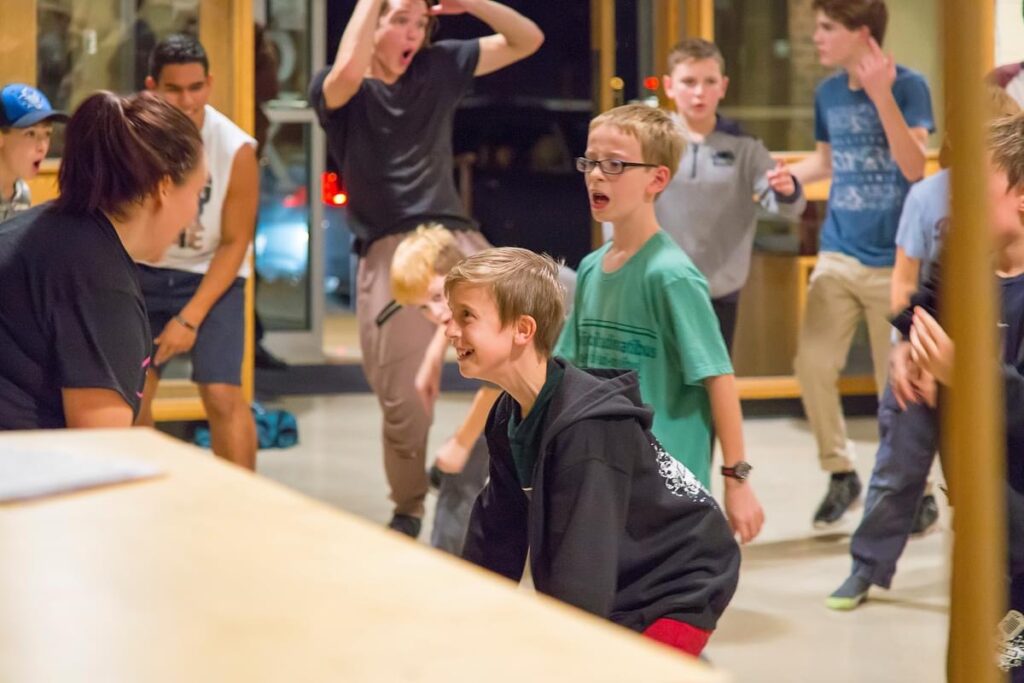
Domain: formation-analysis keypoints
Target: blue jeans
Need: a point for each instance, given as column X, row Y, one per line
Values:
column 908, row 441
column 455, row 500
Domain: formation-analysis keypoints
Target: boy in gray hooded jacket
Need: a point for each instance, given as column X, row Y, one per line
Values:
column 725, row 180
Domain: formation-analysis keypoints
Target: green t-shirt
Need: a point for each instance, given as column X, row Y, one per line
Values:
column 653, row 315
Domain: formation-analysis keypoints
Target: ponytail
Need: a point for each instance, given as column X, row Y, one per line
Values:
column 118, row 149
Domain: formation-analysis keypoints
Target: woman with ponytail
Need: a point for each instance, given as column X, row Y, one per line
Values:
column 74, row 337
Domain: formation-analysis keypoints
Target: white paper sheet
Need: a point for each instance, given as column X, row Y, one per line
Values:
column 34, row 474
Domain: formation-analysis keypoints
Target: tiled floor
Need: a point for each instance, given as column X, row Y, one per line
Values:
column 777, row 628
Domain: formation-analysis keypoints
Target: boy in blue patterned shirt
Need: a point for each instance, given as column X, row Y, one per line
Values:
column 872, row 120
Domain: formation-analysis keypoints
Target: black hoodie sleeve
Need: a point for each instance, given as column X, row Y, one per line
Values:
column 497, row 535
column 586, row 502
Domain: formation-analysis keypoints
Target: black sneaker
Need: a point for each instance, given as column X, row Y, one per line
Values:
column 843, row 492
column 406, row 524
column 265, row 360
column 927, row 516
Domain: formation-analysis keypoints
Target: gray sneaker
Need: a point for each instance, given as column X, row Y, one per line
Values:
column 927, row 516
column 850, row 595
column 843, row 494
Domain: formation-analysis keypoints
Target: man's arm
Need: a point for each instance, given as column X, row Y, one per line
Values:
column 454, row 453
column 931, row 348
column 238, row 223
column 779, row 191
column 354, row 53
column 815, row 166
column 904, row 280
column 907, row 145
column 95, row 409
column 877, row 73
column 516, row 36
column 741, row 505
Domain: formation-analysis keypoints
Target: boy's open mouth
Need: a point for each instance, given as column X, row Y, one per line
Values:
column 463, row 354
column 407, row 56
column 36, row 165
column 599, row 200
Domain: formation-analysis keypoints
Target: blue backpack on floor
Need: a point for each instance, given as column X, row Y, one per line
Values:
column 274, row 429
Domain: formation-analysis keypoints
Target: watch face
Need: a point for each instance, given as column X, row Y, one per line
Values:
column 742, row 469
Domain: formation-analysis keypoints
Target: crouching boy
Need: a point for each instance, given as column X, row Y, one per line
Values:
column 612, row 523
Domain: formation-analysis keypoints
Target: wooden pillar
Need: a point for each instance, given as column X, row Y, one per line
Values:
column 973, row 425
column 700, row 19
column 226, row 31
column 666, row 34
column 18, row 29
column 602, row 49
column 602, row 56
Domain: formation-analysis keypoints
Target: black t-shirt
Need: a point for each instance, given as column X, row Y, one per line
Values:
column 393, row 143
column 1013, row 317
column 1012, row 328
column 71, row 315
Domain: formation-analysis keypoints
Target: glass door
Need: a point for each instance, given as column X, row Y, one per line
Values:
column 292, row 229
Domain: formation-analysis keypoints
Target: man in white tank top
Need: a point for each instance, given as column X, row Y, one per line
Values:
column 195, row 295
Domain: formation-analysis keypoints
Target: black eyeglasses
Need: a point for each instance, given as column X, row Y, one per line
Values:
column 608, row 166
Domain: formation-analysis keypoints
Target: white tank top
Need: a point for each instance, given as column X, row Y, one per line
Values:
column 195, row 246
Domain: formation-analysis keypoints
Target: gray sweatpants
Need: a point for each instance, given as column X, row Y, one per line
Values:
column 456, row 498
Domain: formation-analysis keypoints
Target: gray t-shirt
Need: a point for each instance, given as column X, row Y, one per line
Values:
column 393, row 143
column 20, row 201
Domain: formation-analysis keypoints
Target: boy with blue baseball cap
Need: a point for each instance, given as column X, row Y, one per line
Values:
column 26, row 122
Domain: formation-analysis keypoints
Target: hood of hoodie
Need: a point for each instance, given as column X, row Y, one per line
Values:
column 595, row 393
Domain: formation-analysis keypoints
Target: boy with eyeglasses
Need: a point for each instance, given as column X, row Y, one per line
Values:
column 641, row 304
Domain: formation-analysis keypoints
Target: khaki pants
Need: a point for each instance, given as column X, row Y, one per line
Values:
column 842, row 291
column 392, row 352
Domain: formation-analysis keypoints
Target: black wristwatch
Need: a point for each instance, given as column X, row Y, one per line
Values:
column 740, row 470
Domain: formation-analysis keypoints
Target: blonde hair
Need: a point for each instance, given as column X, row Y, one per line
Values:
column 522, row 283
column 998, row 105
column 429, row 251
column 1006, row 144
column 661, row 139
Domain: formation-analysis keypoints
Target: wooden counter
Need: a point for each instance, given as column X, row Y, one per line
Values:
column 213, row 574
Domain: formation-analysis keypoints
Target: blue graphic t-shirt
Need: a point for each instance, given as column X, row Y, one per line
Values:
column 868, row 187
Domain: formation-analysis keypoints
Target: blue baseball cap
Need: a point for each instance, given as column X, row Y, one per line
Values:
column 22, row 106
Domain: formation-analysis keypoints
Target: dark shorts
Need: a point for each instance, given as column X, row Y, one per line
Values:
column 217, row 354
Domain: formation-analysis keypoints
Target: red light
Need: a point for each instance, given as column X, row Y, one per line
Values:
column 332, row 192
column 296, row 199
column 652, row 82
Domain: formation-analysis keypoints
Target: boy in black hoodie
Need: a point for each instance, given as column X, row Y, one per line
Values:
column 613, row 524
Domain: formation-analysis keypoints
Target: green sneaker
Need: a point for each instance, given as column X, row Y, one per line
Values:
column 850, row 595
